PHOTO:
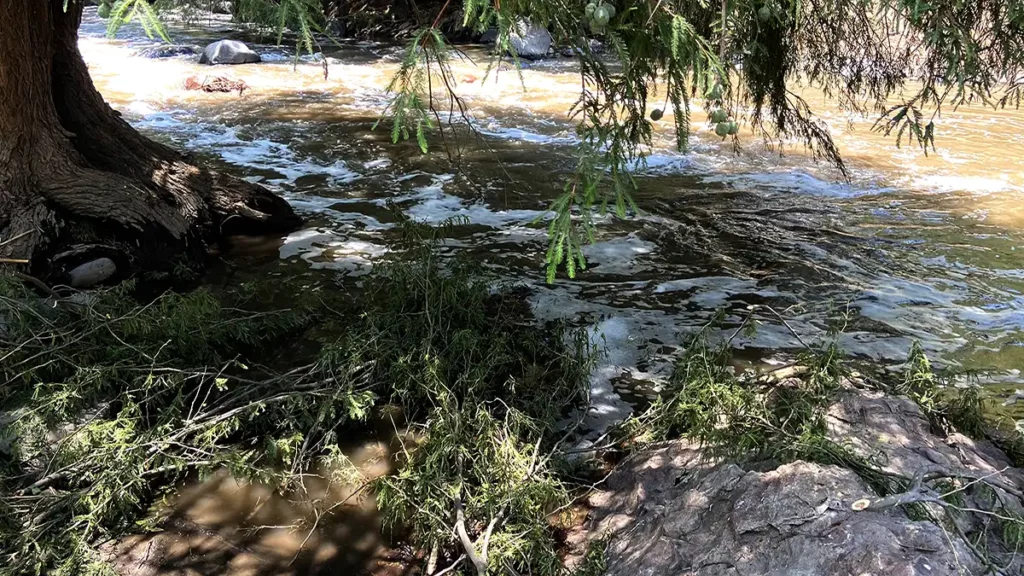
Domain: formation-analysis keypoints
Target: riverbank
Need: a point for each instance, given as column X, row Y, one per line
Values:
column 912, row 249
column 953, row 505
column 436, row 417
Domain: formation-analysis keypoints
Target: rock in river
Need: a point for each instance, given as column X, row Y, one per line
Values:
column 167, row 51
column 228, row 52
column 529, row 40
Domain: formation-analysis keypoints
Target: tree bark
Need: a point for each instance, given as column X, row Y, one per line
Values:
column 77, row 181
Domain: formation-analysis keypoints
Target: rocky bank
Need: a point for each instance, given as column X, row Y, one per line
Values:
column 673, row 511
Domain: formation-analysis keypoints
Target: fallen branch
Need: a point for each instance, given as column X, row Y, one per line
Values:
column 37, row 283
column 458, row 561
column 479, row 560
column 917, row 494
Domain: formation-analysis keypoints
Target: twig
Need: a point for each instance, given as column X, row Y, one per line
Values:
column 917, row 494
column 13, row 238
column 435, row 550
column 921, row 494
column 37, row 283
column 450, row 568
column 440, row 14
column 487, row 536
column 788, row 327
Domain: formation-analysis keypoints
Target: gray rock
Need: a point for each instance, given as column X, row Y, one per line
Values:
column 228, row 52
column 489, row 37
column 867, row 422
column 92, row 273
column 337, row 27
column 530, row 41
column 675, row 511
column 596, row 47
column 167, row 51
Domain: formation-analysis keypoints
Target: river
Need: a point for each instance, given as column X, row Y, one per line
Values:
column 911, row 247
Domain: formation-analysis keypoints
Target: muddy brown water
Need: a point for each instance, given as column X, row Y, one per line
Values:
column 912, row 247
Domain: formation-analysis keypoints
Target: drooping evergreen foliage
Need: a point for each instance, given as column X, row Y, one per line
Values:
column 743, row 61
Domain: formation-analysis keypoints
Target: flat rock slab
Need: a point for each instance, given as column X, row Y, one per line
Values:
column 673, row 511
column 229, row 52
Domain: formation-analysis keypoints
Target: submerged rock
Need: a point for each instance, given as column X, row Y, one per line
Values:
column 489, row 37
column 92, row 273
column 596, row 47
column 529, row 40
column 229, row 52
column 675, row 511
column 167, row 51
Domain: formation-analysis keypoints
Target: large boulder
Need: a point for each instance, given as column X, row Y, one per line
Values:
column 530, row 41
column 229, row 52
column 675, row 510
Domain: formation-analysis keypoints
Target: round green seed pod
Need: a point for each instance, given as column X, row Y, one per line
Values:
column 716, row 92
column 657, row 114
column 722, row 129
column 719, row 116
column 764, row 14
column 104, row 11
column 610, row 9
column 589, row 10
column 601, row 15
column 734, row 128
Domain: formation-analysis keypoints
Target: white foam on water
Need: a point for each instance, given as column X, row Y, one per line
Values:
column 619, row 255
column 944, row 183
column 267, row 155
column 794, row 181
column 712, row 292
column 142, row 108
column 433, row 205
column 606, row 406
column 380, row 163
column 327, row 250
column 496, row 130
column 668, row 163
column 621, row 341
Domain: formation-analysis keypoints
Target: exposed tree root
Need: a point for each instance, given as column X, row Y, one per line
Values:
column 78, row 182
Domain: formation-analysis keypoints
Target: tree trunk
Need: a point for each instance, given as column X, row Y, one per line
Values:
column 77, row 182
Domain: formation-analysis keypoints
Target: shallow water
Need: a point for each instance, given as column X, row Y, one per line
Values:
column 912, row 247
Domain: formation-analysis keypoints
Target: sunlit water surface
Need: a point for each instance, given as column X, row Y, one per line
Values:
column 912, row 247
